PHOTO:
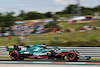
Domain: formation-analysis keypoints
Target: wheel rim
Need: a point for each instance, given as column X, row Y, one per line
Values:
column 71, row 55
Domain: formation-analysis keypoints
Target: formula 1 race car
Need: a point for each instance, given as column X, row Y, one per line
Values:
column 41, row 51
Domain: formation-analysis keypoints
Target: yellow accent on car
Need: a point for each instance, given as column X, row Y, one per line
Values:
column 11, row 47
column 8, row 53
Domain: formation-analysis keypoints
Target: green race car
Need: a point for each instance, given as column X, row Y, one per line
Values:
column 41, row 51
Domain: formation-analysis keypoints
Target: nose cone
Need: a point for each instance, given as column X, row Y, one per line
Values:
column 88, row 58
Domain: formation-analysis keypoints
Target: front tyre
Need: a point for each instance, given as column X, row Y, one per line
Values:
column 71, row 56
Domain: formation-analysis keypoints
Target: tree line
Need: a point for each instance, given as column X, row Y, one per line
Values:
column 67, row 12
column 8, row 19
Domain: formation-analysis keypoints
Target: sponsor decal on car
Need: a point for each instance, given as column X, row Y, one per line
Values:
column 58, row 51
column 10, row 47
column 23, row 48
column 37, row 54
column 26, row 52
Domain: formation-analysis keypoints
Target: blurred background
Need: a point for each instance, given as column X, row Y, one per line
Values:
column 70, row 23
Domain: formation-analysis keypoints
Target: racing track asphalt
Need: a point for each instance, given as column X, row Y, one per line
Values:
column 46, row 60
column 49, row 62
column 23, row 65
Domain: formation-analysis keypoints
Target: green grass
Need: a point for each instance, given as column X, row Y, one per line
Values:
column 97, row 59
column 64, row 37
column 4, row 57
column 65, row 25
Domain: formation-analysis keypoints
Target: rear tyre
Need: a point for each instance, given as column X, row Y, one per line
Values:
column 14, row 55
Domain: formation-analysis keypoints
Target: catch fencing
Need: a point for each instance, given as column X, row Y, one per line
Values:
column 94, row 52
